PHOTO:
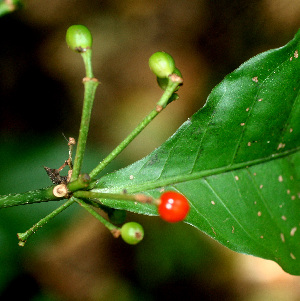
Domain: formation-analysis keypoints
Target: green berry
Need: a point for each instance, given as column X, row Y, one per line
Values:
column 79, row 38
column 163, row 82
column 132, row 233
column 162, row 64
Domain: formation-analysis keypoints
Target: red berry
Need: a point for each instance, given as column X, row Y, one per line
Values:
column 173, row 207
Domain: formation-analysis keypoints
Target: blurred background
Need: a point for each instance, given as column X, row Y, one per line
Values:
column 74, row 257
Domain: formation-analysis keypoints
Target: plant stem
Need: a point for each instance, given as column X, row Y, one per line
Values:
column 161, row 104
column 42, row 195
column 125, row 197
column 87, row 60
column 82, row 182
column 90, row 86
column 30, row 197
column 24, row 236
column 123, row 144
column 112, row 228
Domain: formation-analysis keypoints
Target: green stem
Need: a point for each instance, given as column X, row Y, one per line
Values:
column 90, row 86
column 82, row 182
column 30, row 197
column 123, row 144
column 113, row 196
column 112, row 228
column 171, row 88
column 24, row 236
column 41, row 195
column 87, row 60
column 161, row 104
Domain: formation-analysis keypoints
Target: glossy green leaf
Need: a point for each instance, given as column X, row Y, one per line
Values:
column 236, row 160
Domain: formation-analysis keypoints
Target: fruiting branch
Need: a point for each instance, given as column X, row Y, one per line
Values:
column 173, row 82
column 79, row 39
column 76, row 187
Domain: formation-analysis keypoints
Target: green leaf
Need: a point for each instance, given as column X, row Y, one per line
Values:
column 236, row 160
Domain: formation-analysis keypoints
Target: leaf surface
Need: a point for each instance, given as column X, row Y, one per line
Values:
column 236, row 160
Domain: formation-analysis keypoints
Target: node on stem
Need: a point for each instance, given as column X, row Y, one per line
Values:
column 163, row 82
column 60, row 190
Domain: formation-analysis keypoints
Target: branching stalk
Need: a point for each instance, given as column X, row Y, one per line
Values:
column 90, row 86
column 161, row 104
column 24, row 236
column 112, row 228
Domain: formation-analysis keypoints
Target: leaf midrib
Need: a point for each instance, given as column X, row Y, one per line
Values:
column 197, row 175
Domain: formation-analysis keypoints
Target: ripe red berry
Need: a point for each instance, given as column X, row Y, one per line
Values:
column 173, row 207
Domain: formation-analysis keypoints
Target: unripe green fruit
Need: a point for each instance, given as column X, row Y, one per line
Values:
column 163, row 82
column 79, row 38
column 132, row 233
column 162, row 64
